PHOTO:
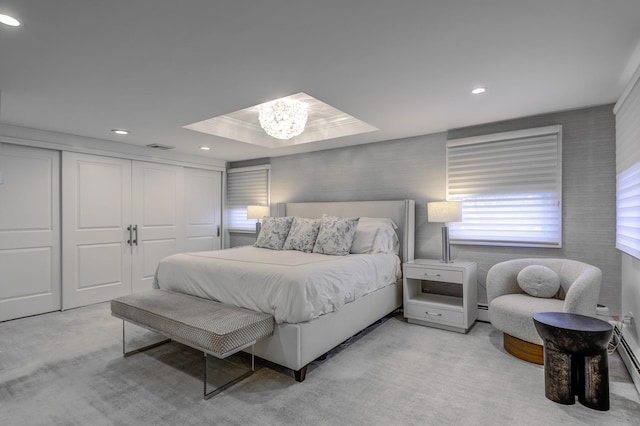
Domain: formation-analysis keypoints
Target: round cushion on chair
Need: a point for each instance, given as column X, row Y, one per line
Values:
column 539, row 281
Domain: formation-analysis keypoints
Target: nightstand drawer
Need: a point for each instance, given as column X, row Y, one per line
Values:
column 434, row 274
column 429, row 313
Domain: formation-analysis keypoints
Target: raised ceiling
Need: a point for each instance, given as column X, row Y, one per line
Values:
column 405, row 67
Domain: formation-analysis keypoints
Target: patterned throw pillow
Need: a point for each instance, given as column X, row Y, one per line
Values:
column 335, row 235
column 303, row 234
column 274, row 232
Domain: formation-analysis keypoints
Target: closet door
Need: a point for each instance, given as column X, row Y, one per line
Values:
column 203, row 209
column 96, row 211
column 29, row 231
column 158, row 214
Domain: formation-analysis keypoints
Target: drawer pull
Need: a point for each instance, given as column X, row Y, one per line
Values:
column 435, row 314
column 431, row 275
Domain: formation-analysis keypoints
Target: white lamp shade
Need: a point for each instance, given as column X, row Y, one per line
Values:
column 444, row 211
column 257, row 212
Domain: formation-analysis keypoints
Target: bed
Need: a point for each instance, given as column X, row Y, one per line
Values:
column 306, row 328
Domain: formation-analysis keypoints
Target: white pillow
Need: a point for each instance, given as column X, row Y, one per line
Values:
column 539, row 281
column 336, row 235
column 375, row 235
column 274, row 232
column 303, row 234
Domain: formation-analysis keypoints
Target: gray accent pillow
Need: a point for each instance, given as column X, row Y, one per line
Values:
column 303, row 234
column 375, row 235
column 274, row 232
column 539, row 281
column 335, row 235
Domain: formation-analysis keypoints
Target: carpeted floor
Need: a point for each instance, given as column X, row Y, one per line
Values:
column 66, row 368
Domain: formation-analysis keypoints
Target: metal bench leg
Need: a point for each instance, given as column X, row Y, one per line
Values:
column 216, row 391
column 142, row 349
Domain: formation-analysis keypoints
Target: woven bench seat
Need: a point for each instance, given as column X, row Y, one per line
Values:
column 212, row 327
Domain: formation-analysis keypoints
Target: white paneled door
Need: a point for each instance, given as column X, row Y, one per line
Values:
column 157, row 218
column 29, row 231
column 96, row 211
column 203, row 212
column 121, row 217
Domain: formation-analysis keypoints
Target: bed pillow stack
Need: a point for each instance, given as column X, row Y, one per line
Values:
column 331, row 235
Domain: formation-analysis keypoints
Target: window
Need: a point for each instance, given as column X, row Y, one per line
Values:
column 510, row 186
column 246, row 186
column 628, row 211
column 627, row 112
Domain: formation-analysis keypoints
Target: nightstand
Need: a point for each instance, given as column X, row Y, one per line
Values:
column 442, row 295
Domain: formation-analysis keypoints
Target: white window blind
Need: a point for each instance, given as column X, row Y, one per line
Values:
column 246, row 187
column 627, row 112
column 628, row 211
column 510, row 186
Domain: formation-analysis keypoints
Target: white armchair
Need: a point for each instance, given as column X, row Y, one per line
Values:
column 511, row 309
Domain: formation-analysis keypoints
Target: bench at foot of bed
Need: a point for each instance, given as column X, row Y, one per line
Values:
column 211, row 327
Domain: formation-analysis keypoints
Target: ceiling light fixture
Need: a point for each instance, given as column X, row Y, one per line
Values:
column 205, row 148
column 283, row 118
column 120, row 131
column 479, row 90
column 9, row 20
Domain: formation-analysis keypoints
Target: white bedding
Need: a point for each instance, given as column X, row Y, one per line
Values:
column 291, row 285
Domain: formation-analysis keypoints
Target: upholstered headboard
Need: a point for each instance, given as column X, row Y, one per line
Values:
column 402, row 212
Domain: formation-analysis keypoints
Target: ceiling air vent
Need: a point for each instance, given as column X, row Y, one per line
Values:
column 160, row 146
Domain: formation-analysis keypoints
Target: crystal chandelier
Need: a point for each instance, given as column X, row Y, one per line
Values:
column 283, row 118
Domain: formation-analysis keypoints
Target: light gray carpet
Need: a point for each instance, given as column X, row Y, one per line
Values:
column 66, row 368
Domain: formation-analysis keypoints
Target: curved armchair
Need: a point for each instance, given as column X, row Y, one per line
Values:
column 511, row 309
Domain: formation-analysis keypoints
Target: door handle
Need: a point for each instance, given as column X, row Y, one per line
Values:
column 217, row 230
column 130, row 235
column 135, row 229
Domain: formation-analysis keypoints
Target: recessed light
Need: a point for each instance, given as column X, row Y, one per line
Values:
column 205, row 148
column 120, row 131
column 479, row 90
column 9, row 20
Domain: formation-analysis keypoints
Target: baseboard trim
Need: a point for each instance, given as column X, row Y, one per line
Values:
column 628, row 357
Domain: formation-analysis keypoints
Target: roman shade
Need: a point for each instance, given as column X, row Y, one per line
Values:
column 627, row 112
column 246, row 186
column 510, row 186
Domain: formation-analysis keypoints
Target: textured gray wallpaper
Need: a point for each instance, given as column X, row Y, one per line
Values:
column 415, row 168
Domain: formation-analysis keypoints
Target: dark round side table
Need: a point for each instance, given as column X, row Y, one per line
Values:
column 575, row 358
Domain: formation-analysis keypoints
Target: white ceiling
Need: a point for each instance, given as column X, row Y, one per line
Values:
column 406, row 67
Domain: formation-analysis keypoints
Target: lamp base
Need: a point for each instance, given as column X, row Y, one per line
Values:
column 258, row 228
column 446, row 248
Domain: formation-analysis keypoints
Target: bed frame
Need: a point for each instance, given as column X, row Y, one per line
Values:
column 294, row 346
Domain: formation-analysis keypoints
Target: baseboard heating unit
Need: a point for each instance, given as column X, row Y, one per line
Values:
column 628, row 357
column 483, row 312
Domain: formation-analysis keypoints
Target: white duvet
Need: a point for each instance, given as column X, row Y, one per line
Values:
column 290, row 285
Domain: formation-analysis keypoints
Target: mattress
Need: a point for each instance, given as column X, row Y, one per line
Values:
column 292, row 286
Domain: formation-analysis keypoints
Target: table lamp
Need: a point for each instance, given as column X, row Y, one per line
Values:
column 257, row 212
column 445, row 211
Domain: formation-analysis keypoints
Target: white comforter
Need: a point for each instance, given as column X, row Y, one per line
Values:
column 291, row 285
